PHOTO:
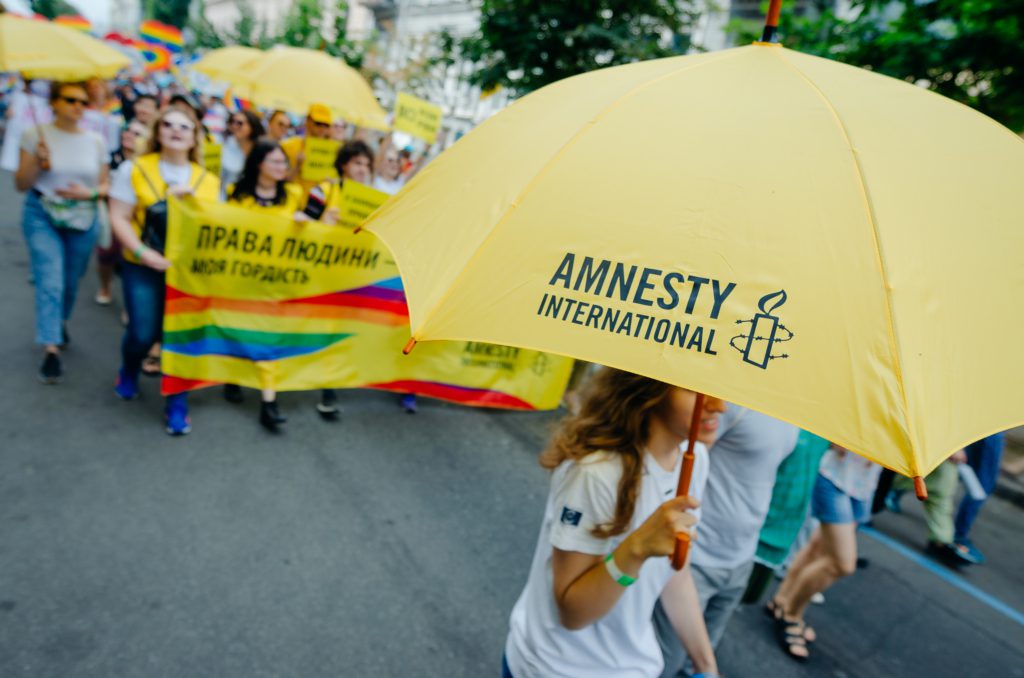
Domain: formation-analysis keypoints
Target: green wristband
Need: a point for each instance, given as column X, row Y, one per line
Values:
column 138, row 251
column 620, row 577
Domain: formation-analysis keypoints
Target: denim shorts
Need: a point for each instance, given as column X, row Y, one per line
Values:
column 831, row 505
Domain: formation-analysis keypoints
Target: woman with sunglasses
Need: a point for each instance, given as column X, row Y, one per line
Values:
column 278, row 125
column 63, row 168
column 244, row 128
column 264, row 185
column 171, row 168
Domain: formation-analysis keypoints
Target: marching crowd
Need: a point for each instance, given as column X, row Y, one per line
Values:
column 602, row 599
column 97, row 166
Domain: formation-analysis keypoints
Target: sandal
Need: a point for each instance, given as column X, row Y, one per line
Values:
column 151, row 366
column 774, row 610
column 790, row 635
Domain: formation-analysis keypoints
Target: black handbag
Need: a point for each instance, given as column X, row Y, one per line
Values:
column 154, row 224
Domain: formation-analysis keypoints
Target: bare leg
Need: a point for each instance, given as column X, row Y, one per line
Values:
column 838, row 559
column 106, row 273
column 807, row 555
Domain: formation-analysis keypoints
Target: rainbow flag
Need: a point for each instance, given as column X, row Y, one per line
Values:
column 156, row 56
column 158, row 33
column 75, row 21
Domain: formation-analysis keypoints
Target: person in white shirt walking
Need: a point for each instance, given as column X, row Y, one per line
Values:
column 610, row 525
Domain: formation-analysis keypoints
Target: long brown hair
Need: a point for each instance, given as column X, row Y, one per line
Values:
column 615, row 417
column 154, row 134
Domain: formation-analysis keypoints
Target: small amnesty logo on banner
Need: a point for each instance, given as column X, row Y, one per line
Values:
column 356, row 202
column 417, row 117
column 211, row 157
column 257, row 300
column 318, row 159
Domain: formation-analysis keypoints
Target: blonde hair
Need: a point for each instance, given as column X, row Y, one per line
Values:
column 154, row 133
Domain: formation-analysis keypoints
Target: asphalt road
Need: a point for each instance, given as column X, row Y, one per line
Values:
column 381, row 545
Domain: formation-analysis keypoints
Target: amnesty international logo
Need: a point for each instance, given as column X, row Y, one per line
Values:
column 766, row 330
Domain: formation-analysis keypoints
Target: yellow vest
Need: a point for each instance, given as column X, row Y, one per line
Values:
column 294, row 201
column 207, row 189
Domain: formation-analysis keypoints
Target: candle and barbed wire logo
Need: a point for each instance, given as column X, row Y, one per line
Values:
column 766, row 331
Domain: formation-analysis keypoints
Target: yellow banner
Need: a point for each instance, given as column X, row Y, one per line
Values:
column 356, row 202
column 318, row 160
column 417, row 117
column 211, row 157
column 257, row 300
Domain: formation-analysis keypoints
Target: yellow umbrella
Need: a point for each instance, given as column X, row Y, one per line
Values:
column 40, row 49
column 293, row 79
column 835, row 248
column 227, row 62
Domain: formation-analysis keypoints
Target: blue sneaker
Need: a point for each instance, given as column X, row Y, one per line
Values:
column 892, row 501
column 127, row 386
column 409, row 403
column 176, row 413
column 969, row 552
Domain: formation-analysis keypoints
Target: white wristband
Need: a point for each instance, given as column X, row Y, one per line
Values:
column 620, row 577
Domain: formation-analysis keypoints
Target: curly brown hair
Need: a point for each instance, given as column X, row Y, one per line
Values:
column 615, row 416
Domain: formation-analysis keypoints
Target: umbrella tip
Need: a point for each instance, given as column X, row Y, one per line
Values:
column 920, row 489
column 356, row 229
column 409, row 346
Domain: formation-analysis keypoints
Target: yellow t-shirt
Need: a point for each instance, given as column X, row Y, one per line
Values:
column 292, row 147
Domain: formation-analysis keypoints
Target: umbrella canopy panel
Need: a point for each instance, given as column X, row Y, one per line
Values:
column 829, row 246
column 40, row 49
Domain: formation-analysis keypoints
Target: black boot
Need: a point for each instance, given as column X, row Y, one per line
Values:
column 233, row 393
column 270, row 418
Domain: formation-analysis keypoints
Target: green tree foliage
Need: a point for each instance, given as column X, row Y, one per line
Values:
column 53, row 8
column 526, row 44
column 969, row 50
column 171, row 12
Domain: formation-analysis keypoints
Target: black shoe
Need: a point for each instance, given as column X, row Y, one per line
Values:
column 328, row 405
column 270, row 417
column 51, row 371
column 233, row 393
column 945, row 554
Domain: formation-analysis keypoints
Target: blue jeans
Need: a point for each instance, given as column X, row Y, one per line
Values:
column 505, row 672
column 144, row 301
column 831, row 505
column 59, row 260
column 984, row 457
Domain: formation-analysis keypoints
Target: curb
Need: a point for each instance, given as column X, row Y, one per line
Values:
column 1010, row 489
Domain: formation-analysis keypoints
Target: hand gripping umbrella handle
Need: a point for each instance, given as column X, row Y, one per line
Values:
column 683, row 540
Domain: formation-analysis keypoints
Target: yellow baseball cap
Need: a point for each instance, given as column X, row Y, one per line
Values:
column 320, row 113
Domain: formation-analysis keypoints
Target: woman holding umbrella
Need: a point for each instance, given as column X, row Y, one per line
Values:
column 601, row 560
column 138, row 212
column 63, row 169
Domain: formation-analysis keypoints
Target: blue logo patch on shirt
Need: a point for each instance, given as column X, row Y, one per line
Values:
column 570, row 517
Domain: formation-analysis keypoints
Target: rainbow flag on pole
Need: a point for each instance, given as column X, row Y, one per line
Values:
column 157, row 57
column 158, row 33
column 76, row 21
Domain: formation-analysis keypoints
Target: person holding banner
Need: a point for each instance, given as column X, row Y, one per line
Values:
column 244, row 128
column 63, row 171
column 318, row 126
column 138, row 214
column 610, row 525
column 263, row 185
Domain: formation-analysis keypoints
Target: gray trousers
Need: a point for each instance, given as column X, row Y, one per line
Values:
column 719, row 591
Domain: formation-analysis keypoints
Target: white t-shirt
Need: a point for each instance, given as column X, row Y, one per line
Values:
column 386, row 186
column 232, row 162
column 25, row 111
column 121, row 182
column 851, row 473
column 107, row 126
column 622, row 644
column 74, row 157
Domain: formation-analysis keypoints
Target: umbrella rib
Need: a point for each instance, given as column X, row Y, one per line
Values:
column 562, row 150
column 880, row 259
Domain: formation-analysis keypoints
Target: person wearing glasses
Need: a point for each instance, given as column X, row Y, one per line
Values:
column 318, row 126
column 279, row 125
column 244, row 128
column 63, row 169
column 137, row 202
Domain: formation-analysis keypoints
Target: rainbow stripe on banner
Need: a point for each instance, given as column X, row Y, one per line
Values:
column 256, row 300
column 75, row 21
column 158, row 33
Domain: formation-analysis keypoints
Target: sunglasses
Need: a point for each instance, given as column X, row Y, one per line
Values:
column 235, row 122
column 75, row 100
column 321, row 125
column 180, row 126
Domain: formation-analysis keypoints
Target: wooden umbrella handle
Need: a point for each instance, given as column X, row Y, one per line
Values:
column 683, row 539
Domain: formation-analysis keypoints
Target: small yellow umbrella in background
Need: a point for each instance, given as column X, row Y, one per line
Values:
column 293, row 79
column 829, row 246
column 226, row 62
column 49, row 51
